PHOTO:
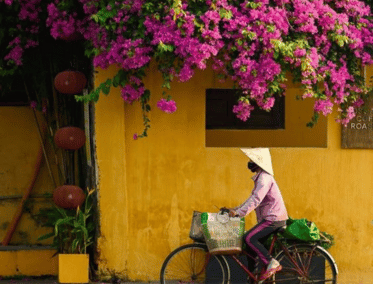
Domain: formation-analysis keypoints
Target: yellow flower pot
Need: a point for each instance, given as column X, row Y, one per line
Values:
column 73, row 268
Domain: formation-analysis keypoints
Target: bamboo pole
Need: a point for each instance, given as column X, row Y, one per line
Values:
column 40, row 138
column 17, row 216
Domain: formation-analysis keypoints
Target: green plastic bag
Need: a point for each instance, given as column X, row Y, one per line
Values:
column 301, row 229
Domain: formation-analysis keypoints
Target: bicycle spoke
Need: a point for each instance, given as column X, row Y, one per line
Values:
column 189, row 263
column 305, row 264
column 303, row 259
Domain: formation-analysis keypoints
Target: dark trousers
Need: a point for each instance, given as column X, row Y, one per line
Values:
column 254, row 238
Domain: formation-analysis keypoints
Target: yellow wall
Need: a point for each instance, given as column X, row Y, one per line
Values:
column 19, row 146
column 112, row 196
column 29, row 262
column 149, row 188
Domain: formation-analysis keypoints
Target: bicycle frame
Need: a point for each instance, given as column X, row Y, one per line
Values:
column 282, row 246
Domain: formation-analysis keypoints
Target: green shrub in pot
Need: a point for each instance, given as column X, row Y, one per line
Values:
column 73, row 230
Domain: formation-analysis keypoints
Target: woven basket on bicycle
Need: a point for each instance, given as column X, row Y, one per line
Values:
column 223, row 234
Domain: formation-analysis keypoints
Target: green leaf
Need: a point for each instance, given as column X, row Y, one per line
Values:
column 81, row 218
column 271, row 28
column 46, row 236
column 61, row 211
column 92, row 96
column 103, row 14
column 95, row 18
column 105, row 87
column 166, row 85
column 74, row 245
column 304, row 65
column 118, row 78
column 60, row 222
column 225, row 14
column 146, row 95
column 85, row 232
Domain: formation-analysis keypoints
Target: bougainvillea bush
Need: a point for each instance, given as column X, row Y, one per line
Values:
column 323, row 44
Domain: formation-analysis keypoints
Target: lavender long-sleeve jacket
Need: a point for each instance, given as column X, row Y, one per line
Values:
column 265, row 198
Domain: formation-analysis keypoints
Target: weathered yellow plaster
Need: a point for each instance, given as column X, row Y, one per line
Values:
column 30, row 262
column 149, row 188
column 112, row 189
column 19, row 146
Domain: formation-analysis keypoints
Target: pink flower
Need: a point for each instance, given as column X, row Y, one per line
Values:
column 269, row 103
column 186, row 73
column 135, row 136
column 307, row 94
column 167, row 106
column 314, row 58
column 15, row 54
column 300, row 52
column 359, row 102
column 33, row 104
column 31, row 43
column 131, row 93
column 347, row 115
column 243, row 110
column 323, row 106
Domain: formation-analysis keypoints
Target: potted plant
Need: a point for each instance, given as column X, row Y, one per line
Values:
column 72, row 235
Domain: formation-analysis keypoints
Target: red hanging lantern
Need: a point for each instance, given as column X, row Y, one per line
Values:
column 70, row 138
column 70, row 82
column 68, row 196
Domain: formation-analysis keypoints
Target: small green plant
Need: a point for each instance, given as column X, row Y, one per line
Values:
column 327, row 240
column 72, row 229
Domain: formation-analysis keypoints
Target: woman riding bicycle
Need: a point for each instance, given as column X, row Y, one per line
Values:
column 269, row 207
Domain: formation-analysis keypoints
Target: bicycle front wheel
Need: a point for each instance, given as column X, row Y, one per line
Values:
column 193, row 264
column 305, row 264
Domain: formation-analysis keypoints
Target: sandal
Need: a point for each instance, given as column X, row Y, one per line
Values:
column 268, row 273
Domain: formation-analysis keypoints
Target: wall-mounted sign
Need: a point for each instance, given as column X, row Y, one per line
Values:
column 358, row 134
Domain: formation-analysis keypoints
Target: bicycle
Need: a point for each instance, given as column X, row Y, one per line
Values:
column 301, row 263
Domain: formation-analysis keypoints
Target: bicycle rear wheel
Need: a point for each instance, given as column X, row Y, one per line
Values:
column 314, row 265
column 192, row 264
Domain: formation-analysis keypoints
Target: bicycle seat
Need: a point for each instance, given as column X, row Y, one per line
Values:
column 281, row 230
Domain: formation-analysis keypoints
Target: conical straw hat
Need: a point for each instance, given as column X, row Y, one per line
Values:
column 261, row 157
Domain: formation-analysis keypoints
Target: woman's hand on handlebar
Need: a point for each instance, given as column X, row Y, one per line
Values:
column 230, row 211
column 224, row 210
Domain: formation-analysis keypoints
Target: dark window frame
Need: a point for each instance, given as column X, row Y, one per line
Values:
column 219, row 112
column 14, row 93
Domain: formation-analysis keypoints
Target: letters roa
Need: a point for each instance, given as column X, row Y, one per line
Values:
column 358, row 134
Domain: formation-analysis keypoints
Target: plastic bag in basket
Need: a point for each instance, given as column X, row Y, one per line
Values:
column 223, row 234
column 195, row 232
